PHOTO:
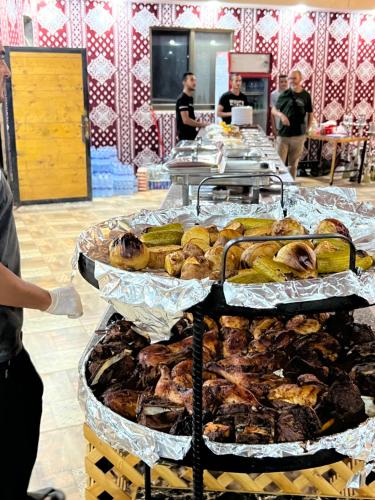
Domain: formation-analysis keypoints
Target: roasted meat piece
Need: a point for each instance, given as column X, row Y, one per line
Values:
column 218, row 392
column 122, row 401
column 310, row 364
column 182, row 374
column 261, row 326
column 257, row 427
column 257, row 383
column 117, row 367
column 235, row 341
column 363, row 376
column 166, row 388
column 221, row 432
column 342, row 403
column 305, row 395
column 158, row 354
column 262, row 362
column 157, row 413
column 236, row 322
column 326, row 346
column 297, row 423
column 273, row 341
column 303, row 325
column 359, row 354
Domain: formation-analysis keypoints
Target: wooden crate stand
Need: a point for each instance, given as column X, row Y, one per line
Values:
column 111, row 474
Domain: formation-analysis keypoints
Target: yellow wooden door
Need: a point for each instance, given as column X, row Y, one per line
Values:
column 49, row 151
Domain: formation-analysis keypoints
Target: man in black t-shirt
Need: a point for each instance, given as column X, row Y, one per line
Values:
column 230, row 99
column 295, row 112
column 185, row 117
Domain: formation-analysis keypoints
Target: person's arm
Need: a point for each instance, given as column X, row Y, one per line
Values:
column 15, row 292
column 310, row 117
column 190, row 122
column 310, row 114
column 221, row 113
column 283, row 118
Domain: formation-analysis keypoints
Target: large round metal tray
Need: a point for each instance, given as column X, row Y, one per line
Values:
column 216, row 298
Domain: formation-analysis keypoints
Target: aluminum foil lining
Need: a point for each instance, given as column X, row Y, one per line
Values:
column 117, row 431
column 358, row 443
column 151, row 445
column 155, row 301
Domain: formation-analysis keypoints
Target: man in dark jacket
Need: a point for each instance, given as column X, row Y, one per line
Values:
column 21, row 388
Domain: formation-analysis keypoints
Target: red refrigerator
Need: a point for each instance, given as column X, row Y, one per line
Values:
column 255, row 70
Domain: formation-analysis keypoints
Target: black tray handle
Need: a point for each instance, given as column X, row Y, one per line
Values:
column 241, row 176
column 256, row 239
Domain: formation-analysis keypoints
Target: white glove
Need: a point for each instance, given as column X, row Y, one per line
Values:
column 66, row 302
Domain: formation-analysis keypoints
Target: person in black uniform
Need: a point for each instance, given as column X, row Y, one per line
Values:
column 234, row 97
column 187, row 125
column 21, row 388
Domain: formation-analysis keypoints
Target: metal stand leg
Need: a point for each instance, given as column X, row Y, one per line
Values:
column 363, row 155
column 198, row 330
column 147, row 483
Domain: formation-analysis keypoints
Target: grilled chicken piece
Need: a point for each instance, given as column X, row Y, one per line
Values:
column 219, row 432
column 326, row 346
column 359, row 354
column 220, row 391
column 182, row 374
column 158, row 413
column 363, row 376
column 122, row 401
column 236, row 322
column 211, row 344
column 273, row 341
column 235, row 341
column 297, row 423
column 258, row 384
column 254, row 362
column 167, row 389
column 158, row 354
column 261, row 326
column 306, row 395
column 210, row 324
column 303, row 325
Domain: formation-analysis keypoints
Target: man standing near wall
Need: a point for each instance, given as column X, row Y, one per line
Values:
column 292, row 108
column 185, row 116
column 21, row 388
column 234, row 97
column 282, row 86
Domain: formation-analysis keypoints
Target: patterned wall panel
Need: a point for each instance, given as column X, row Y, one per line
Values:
column 335, row 52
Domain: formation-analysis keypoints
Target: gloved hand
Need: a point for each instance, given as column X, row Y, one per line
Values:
column 66, row 302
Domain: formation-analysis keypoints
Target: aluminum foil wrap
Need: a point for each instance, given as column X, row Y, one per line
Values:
column 117, row 431
column 155, row 301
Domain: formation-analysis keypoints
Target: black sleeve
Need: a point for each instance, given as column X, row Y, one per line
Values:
column 246, row 100
column 183, row 103
column 223, row 100
column 308, row 108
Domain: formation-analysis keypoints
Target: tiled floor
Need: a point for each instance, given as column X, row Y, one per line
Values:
column 47, row 235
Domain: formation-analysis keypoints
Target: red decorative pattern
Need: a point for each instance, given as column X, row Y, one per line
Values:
column 335, row 51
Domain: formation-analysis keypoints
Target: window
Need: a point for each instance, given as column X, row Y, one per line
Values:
column 176, row 51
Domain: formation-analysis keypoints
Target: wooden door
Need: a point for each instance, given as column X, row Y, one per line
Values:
column 48, row 146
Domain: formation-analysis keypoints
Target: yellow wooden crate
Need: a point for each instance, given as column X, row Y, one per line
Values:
column 120, row 476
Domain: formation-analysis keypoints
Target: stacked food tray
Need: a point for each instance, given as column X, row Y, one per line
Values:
column 280, row 282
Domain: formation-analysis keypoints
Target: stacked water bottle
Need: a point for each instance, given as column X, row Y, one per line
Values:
column 158, row 176
column 110, row 177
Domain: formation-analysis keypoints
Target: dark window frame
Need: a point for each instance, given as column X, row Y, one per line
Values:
column 169, row 106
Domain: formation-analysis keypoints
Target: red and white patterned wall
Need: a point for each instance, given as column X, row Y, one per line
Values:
column 334, row 51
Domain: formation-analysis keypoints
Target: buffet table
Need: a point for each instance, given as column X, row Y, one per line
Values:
column 254, row 154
